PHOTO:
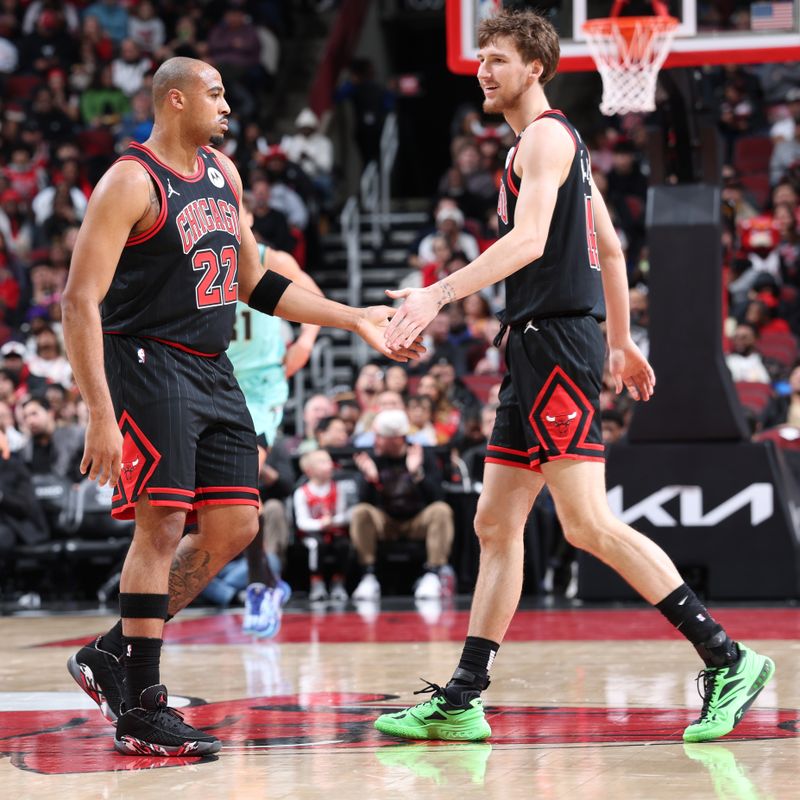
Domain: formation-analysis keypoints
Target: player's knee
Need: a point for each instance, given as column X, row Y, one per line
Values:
column 584, row 532
column 161, row 540
column 492, row 527
column 242, row 535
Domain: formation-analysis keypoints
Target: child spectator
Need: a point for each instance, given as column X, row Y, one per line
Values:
column 322, row 516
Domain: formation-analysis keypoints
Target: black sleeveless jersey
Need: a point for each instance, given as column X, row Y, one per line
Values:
column 177, row 281
column 565, row 280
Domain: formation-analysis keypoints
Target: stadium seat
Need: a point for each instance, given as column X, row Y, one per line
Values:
column 789, row 294
column 757, row 185
column 779, row 347
column 751, row 154
column 21, row 87
column 754, row 396
column 96, row 142
column 786, row 437
column 479, row 385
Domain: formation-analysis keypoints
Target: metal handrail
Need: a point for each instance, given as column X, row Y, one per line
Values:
column 370, row 199
column 350, row 222
column 389, row 143
column 321, row 365
column 376, row 182
column 375, row 201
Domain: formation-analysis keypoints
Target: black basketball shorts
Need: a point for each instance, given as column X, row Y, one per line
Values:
column 550, row 398
column 188, row 439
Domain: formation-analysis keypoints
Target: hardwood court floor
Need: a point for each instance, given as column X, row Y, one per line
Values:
column 584, row 703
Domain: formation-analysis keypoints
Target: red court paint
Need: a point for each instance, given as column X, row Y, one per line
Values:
column 59, row 742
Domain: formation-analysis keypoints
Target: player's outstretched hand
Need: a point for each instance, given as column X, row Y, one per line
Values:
column 372, row 327
column 102, row 454
column 629, row 368
column 419, row 308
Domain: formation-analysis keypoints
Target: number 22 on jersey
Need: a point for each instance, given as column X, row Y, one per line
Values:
column 211, row 290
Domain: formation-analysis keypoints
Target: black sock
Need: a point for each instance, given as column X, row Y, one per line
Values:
column 685, row 611
column 111, row 642
column 141, row 659
column 369, row 569
column 471, row 676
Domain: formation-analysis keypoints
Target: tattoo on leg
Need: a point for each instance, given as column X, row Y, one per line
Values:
column 188, row 575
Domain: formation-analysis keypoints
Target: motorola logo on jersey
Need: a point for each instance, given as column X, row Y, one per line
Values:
column 203, row 216
column 215, row 176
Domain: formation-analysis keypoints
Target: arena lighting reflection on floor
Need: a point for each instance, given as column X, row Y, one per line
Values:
column 440, row 623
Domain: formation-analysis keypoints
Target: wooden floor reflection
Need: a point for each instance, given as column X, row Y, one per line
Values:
column 573, row 714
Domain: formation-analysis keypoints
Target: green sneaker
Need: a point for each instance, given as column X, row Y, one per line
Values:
column 438, row 719
column 727, row 693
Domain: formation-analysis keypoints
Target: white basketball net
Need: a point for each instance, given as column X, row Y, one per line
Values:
column 629, row 52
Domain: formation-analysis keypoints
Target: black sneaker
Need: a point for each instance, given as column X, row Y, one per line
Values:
column 99, row 673
column 155, row 729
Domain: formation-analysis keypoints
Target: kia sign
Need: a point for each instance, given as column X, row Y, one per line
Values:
column 758, row 497
column 727, row 515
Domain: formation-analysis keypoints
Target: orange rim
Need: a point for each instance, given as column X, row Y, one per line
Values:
column 626, row 25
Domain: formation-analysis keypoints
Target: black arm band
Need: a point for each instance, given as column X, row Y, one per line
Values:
column 268, row 292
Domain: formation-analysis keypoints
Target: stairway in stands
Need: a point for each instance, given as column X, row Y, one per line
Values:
column 382, row 268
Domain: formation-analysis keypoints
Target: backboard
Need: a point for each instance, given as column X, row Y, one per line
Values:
column 710, row 32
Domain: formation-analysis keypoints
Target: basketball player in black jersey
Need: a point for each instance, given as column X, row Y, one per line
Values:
column 556, row 235
column 159, row 264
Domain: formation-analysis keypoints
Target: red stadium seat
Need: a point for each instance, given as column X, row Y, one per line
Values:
column 757, row 185
column 21, row 87
column 780, row 347
column 754, row 396
column 789, row 295
column 784, row 436
column 479, row 385
column 96, row 142
column 751, row 154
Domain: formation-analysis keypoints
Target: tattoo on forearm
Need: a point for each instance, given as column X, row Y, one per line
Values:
column 447, row 294
column 187, row 577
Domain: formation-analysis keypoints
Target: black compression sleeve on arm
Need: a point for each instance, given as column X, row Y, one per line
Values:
column 268, row 292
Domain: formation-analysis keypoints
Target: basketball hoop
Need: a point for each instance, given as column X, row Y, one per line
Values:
column 629, row 52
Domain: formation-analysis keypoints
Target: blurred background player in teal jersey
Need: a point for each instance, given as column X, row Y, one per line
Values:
column 264, row 358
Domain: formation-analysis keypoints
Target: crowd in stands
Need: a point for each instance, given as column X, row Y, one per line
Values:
column 759, row 108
